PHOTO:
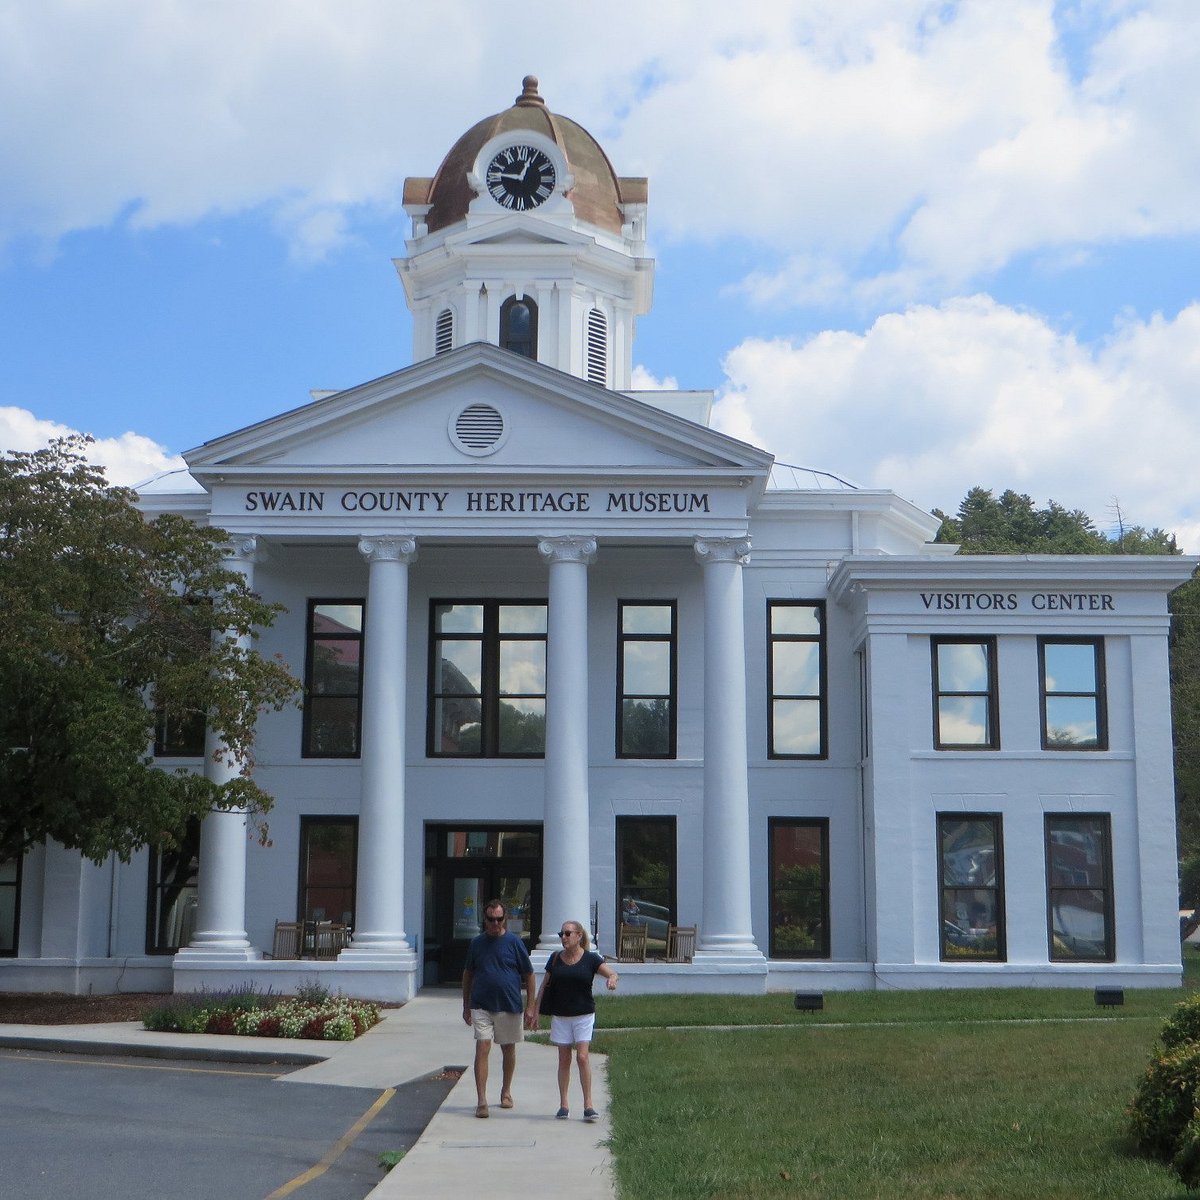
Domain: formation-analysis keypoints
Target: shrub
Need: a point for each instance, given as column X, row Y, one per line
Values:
column 1165, row 1101
column 313, row 992
column 1183, row 1025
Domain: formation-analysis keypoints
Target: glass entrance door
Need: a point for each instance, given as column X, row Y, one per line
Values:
column 464, row 869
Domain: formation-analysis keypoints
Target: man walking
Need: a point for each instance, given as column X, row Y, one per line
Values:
column 497, row 965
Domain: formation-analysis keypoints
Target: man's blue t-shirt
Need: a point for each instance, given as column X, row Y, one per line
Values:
column 500, row 965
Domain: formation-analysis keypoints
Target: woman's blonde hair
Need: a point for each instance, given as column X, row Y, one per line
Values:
column 584, row 940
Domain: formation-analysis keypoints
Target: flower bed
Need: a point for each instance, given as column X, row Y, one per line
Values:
column 312, row 1013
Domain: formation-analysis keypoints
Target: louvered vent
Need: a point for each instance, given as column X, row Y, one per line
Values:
column 597, row 347
column 443, row 334
column 478, row 429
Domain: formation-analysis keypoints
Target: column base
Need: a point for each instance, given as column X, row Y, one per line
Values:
column 392, row 952
column 230, row 950
column 732, row 954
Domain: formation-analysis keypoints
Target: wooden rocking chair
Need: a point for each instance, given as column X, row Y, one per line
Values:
column 681, row 943
column 631, row 944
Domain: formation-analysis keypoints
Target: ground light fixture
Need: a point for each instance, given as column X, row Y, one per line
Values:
column 1108, row 997
column 810, row 1001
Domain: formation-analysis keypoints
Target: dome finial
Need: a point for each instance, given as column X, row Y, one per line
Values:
column 529, row 91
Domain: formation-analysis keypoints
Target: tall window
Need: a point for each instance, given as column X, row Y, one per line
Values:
column 333, row 679
column 1079, row 887
column 178, row 735
column 328, row 862
column 597, row 347
column 964, row 694
column 796, row 679
column 971, row 878
column 799, row 888
column 518, row 326
column 10, row 906
column 171, row 905
column 487, row 679
column 443, row 332
column 646, row 877
column 1073, row 701
column 646, row 679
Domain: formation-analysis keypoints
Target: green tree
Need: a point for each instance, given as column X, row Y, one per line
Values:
column 1011, row 525
column 105, row 616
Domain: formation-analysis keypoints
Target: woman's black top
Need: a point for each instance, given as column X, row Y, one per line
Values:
column 569, row 991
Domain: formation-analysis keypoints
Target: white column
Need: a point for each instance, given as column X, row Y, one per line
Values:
column 726, row 930
column 379, row 907
column 566, row 860
column 221, row 884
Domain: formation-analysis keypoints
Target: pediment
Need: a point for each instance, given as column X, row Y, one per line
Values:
column 541, row 422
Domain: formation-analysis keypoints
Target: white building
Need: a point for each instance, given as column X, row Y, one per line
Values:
column 564, row 644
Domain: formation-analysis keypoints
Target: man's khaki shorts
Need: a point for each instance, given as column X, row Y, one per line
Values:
column 503, row 1028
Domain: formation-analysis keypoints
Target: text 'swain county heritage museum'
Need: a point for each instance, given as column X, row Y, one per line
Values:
column 564, row 644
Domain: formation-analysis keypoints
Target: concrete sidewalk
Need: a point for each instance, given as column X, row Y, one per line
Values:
column 511, row 1152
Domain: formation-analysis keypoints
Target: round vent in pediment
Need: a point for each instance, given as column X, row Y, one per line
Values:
column 478, row 429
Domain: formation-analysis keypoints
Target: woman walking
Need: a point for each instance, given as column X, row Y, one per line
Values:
column 566, row 998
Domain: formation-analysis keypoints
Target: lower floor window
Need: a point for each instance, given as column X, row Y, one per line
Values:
column 328, row 864
column 10, row 905
column 972, row 886
column 171, row 907
column 646, row 877
column 799, row 888
column 1079, row 887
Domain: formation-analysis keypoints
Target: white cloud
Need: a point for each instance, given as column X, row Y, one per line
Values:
column 127, row 460
column 934, row 139
column 935, row 400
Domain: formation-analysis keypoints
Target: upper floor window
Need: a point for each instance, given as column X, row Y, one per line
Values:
column 646, row 679
column 964, row 694
column 796, row 679
column 518, row 326
column 487, row 679
column 597, row 347
column 1072, row 687
column 443, row 332
column 972, row 886
column 178, row 734
column 1079, row 897
column 333, row 679
column 799, row 887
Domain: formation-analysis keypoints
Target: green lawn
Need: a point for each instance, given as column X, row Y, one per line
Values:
column 964, row 1095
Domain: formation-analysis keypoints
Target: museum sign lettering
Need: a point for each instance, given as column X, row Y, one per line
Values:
column 468, row 502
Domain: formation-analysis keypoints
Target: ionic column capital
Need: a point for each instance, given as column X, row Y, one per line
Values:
column 245, row 548
column 723, row 549
column 401, row 547
column 570, row 547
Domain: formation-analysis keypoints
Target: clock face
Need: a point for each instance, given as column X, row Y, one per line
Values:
column 520, row 178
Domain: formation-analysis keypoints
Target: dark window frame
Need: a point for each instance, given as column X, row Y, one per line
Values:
column 997, row 822
column 310, row 640
column 525, row 348
column 669, row 823
column 824, row 951
column 307, row 825
column 672, row 698
column 16, row 918
column 491, row 640
column 1099, row 695
column 821, row 641
column 155, row 885
column 991, row 693
column 1110, row 934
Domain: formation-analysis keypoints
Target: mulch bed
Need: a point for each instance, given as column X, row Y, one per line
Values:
column 60, row 1008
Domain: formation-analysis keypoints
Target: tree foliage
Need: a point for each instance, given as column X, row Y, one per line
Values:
column 105, row 616
column 1012, row 525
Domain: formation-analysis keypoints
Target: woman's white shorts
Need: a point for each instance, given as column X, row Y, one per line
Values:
column 569, row 1031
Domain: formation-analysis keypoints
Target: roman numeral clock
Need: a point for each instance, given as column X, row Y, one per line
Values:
column 520, row 178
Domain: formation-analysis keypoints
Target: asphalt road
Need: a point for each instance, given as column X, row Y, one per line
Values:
column 124, row 1128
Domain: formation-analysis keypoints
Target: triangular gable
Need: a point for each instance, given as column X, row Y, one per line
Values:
column 406, row 422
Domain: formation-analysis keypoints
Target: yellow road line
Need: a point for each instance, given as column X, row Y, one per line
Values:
column 336, row 1150
column 98, row 1061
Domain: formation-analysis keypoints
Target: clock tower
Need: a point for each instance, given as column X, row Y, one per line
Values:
column 527, row 238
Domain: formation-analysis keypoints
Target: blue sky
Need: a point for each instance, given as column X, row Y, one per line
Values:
column 921, row 245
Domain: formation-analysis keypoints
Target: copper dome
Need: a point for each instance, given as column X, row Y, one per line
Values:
column 597, row 194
